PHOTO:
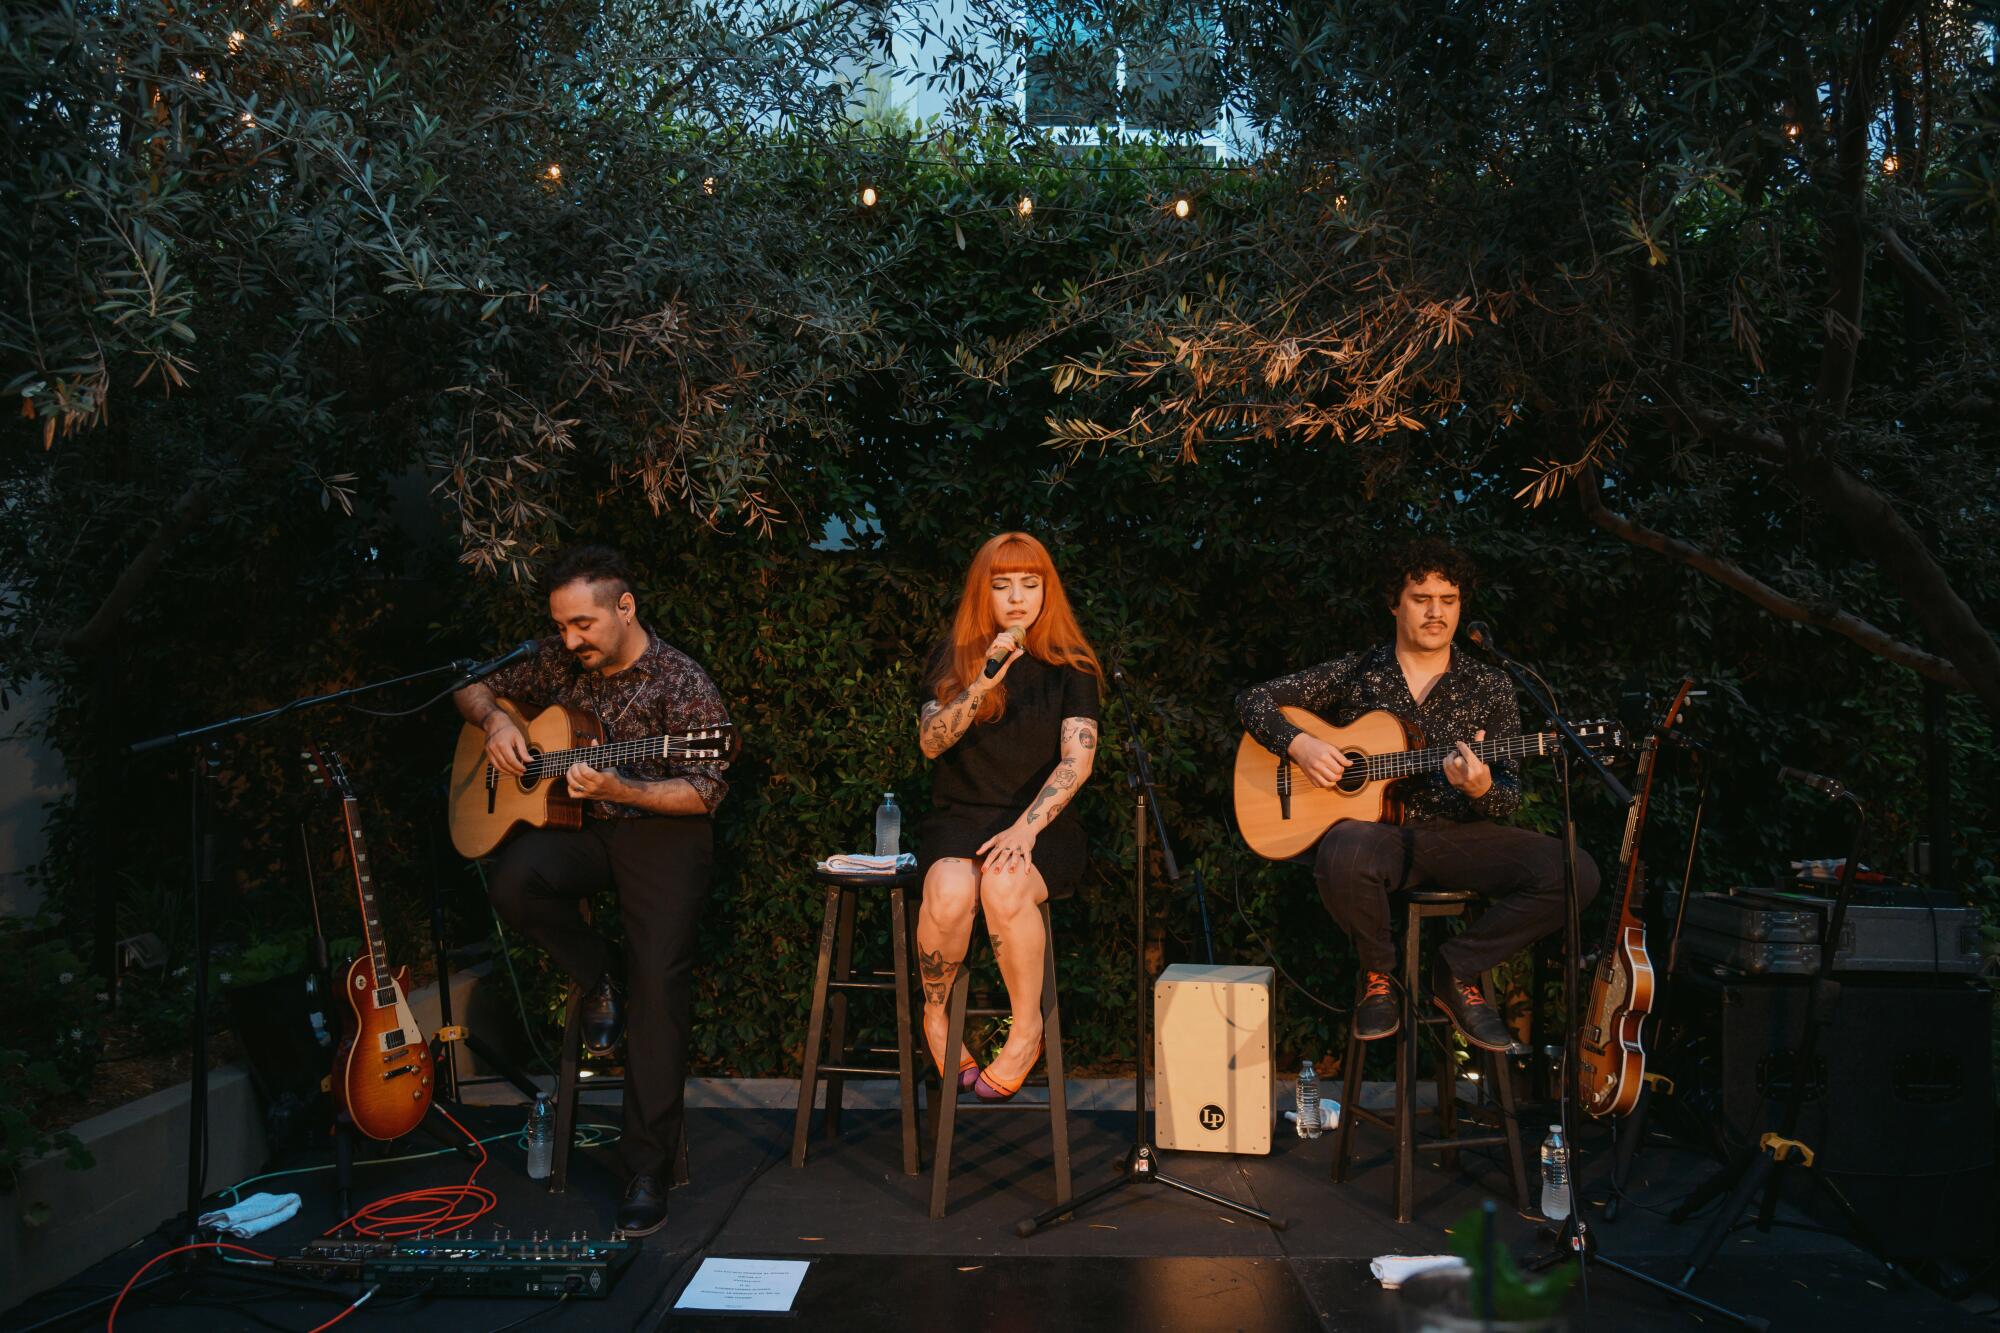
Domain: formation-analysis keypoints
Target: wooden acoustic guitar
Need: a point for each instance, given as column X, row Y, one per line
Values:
column 1281, row 812
column 382, row 1075
column 486, row 806
column 1612, row 1067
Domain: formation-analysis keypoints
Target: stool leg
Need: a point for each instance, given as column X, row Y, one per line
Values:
column 1406, row 1072
column 1447, row 1108
column 681, row 1158
column 906, row 1082
column 1503, row 1087
column 838, row 1043
column 815, row 1029
column 1350, row 1101
column 1053, row 1061
column 947, row 1097
column 566, row 1082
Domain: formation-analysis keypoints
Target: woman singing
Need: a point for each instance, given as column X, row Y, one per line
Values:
column 1011, row 749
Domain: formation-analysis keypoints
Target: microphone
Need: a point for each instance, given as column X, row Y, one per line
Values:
column 1481, row 636
column 998, row 657
column 1819, row 782
column 525, row 648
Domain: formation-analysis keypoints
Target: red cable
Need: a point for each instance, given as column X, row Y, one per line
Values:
column 126, row 1290
column 433, row 1212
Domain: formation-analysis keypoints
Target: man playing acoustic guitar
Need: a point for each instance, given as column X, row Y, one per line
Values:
column 1447, row 836
column 645, row 832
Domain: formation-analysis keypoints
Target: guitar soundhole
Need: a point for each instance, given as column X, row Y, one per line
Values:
column 528, row 781
column 1352, row 779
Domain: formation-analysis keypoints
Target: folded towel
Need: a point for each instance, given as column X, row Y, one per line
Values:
column 258, row 1213
column 1393, row 1270
column 856, row 863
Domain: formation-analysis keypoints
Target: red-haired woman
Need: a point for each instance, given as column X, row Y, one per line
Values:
column 1011, row 750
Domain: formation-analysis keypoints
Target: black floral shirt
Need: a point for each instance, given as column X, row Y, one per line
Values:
column 1470, row 697
column 664, row 691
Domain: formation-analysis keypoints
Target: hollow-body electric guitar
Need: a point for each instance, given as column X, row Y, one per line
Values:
column 1281, row 812
column 382, row 1074
column 487, row 806
column 1612, row 1067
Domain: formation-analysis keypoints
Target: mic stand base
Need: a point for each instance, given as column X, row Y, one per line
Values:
column 1574, row 1237
column 1142, row 1167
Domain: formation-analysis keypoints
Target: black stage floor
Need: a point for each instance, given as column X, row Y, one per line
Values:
column 1148, row 1258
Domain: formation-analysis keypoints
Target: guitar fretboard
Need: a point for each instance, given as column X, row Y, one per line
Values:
column 371, row 920
column 700, row 745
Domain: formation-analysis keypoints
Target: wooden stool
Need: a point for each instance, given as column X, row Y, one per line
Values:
column 833, row 977
column 1421, row 905
column 945, row 1104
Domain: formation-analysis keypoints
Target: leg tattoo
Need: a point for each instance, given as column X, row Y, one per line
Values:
column 937, row 973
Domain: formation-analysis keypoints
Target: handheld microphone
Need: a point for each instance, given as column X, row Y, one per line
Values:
column 1819, row 782
column 998, row 657
column 524, row 649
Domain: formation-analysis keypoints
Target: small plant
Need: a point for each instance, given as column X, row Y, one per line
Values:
column 1499, row 1290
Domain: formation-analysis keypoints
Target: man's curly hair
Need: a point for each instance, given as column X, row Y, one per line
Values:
column 1419, row 558
column 594, row 565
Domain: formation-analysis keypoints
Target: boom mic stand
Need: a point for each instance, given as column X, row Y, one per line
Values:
column 205, row 744
column 1141, row 1165
column 1574, row 1236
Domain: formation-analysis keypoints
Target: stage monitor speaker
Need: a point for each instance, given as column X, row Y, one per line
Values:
column 1899, row 1105
column 1212, row 1084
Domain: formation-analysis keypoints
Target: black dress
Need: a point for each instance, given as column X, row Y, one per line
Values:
column 989, row 778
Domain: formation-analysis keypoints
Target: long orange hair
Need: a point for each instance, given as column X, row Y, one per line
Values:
column 1055, row 637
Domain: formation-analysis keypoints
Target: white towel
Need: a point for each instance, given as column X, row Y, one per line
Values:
column 1393, row 1270
column 857, row 863
column 258, row 1213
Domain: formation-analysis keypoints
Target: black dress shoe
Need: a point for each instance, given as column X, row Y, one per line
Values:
column 1468, row 1008
column 644, row 1208
column 603, row 1017
column 1376, row 1013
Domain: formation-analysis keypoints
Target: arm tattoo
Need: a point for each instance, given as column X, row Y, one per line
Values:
column 1080, row 732
column 937, row 974
column 1055, row 796
column 940, row 725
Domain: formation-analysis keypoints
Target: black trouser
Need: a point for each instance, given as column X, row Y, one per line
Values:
column 660, row 868
column 1360, row 864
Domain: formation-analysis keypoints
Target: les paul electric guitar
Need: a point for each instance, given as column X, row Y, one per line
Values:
column 1281, row 812
column 1612, row 1067
column 486, row 806
column 382, row 1074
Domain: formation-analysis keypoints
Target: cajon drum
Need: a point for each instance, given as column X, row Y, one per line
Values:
column 1213, row 1083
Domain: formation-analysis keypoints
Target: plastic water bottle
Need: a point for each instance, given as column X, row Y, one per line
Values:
column 541, row 1137
column 1555, row 1175
column 1308, row 1096
column 888, row 826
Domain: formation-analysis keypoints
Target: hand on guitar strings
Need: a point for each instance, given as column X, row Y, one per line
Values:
column 1321, row 761
column 505, row 745
column 1467, row 771
column 592, row 784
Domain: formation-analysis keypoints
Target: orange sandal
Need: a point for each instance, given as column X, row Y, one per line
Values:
column 992, row 1090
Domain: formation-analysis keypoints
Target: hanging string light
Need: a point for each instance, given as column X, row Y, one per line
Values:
column 554, row 172
column 236, row 40
column 868, row 196
column 1182, row 207
column 1889, row 164
column 1024, row 207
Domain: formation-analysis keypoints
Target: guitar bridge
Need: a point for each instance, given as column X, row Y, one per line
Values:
column 1284, row 789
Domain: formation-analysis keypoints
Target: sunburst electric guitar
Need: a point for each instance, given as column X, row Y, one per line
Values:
column 382, row 1075
column 1612, row 1068
column 487, row 807
column 1281, row 812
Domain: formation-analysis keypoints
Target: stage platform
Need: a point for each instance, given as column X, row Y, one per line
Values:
column 1148, row 1258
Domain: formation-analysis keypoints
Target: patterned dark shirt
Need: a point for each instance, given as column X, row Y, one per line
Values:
column 664, row 691
column 1469, row 697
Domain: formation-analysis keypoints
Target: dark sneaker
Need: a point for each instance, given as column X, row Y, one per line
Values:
column 1376, row 1013
column 603, row 1017
column 644, row 1209
column 1468, row 1008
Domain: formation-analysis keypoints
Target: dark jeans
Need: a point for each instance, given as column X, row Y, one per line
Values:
column 660, row 869
column 1360, row 864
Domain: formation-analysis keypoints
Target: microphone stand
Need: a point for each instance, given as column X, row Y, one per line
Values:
column 205, row 743
column 1574, row 1237
column 1141, row 1164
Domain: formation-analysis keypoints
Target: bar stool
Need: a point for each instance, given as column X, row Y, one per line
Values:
column 945, row 1104
column 1421, row 905
column 569, row 1082
column 833, row 978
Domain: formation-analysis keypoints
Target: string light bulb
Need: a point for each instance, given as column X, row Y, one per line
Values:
column 1889, row 164
column 555, row 171
column 708, row 185
column 1024, row 207
column 1793, row 129
column 1182, row 207
column 868, row 196
column 236, row 40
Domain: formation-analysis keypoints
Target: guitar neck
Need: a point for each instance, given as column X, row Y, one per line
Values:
column 552, row 762
column 364, row 888
column 1407, row 763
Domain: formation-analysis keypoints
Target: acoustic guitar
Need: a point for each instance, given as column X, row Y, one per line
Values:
column 1612, row 1067
column 382, row 1075
column 486, row 806
column 1281, row 812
